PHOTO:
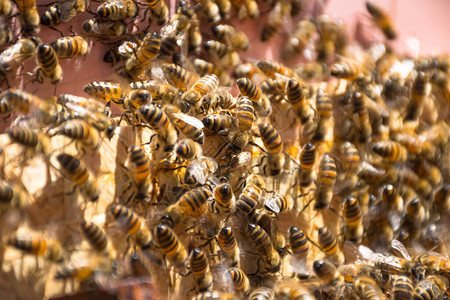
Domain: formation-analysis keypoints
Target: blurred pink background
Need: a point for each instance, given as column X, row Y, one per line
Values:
column 423, row 27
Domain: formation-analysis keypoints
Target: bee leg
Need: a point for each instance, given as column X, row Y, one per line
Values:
column 55, row 29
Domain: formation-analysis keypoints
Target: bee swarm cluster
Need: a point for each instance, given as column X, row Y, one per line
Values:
column 323, row 176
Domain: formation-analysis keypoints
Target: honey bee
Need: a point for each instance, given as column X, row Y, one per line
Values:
column 246, row 8
column 249, row 89
column 228, row 245
column 96, row 237
column 298, row 243
column 278, row 203
column 296, row 96
column 247, row 70
column 142, row 167
column 223, row 201
column 190, row 204
column 132, row 225
column 116, row 10
column 326, row 272
column 229, row 35
column 271, row 138
column 239, row 279
column 275, row 88
column 179, row 76
column 159, row 11
column 106, row 91
column 351, row 160
column 367, row 288
column 326, row 181
column 81, row 273
column 48, row 63
column 30, row 16
column 6, row 8
column 250, row 195
column 5, row 32
column 145, row 54
column 263, row 244
column 391, row 151
column 158, row 91
column 391, row 197
column 188, row 149
column 361, row 109
column 38, row 246
column 158, row 121
column 168, row 242
column 261, row 293
column 420, row 185
column 352, row 216
column 403, row 287
column 218, row 99
column 70, row 47
column 190, row 126
column 215, row 295
column 245, row 114
column 204, row 86
column 382, row 20
column 307, row 161
column 104, row 29
column 12, row 195
column 200, row 268
column 79, row 174
column 199, row 171
column 419, row 92
column 432, row 287
column 442, row 199
column 63, row 11
column 329, row 246
column 302, row 34
column 82, row 133
column 13, row 56
column 275, row 20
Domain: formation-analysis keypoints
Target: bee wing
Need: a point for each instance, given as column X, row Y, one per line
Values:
column 399, row 249
column 369, row 255
column 272, row 205
column 69, row 9
column 193, row 121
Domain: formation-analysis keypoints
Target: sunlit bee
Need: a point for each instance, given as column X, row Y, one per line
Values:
column 24, row 136
column 329, row 245
column 132, row 225
column 82, row 132
column 442, row 199
column 247, row 70
column 95, row 236
column 382, row 19
column 352, row 215
column 250, row 195
column 271, row 68
column 298, row 242
column 432, row 287
column 239, row 279
column 48, row 63
column 346, row 70
column 426, row 170
column 159, row 11
column 158, row 91
column 418, row 95
column 168, row 242
column 351, row 159
column 79, row 273
column 6, row 8
column 13, row 56
column 403, row 288
column 215, row 295
column 19, row 100
column 326, row 45
column 190, row 126
column 308, row 156
column 137, row 98
column 391, row 151
column 159, row 122
column 415, row 211
column 115, row 10
column 5, row 33
column 277, row 203
column 325, row 271
column 103, row 28
column 38, row 246
column 79, row 174
column 142, row 164
column 191, row 203
column 204, row 86
column 245, row 114
column 274, row 20
column 217, row 122
column 200, row 268
column 12, row 195
column 249, row 89
column 261, row 293
column 231, row 36
column 195, row 39
column 30, row 17
column 211, row 10
column 271, row 138
column 223, row 201
column 69, row 47
column 391, row 197
column 326, row 181
column 274, row 87
column 215, row 48
column 263, row 245
column 228, row 244
column 5, row 107
column 63, row 12
column 434, row 263
column 367, row 288
column 179, row 76
column 361, row 109
column 148, row 49
column 296, row 96
column 188, row 149
column 297, row 42
column 204, row 67
column 72, row 100
column 198, row 171
column 106, row 91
